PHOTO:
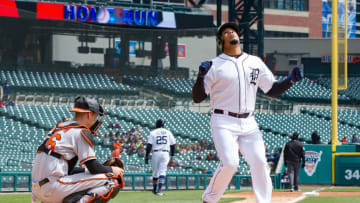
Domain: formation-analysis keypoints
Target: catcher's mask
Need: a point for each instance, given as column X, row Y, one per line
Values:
column 84, row 104
column 219, row 38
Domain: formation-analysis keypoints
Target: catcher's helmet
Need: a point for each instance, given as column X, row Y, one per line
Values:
column 160, row 123
column 84, row 104
column 219, row 38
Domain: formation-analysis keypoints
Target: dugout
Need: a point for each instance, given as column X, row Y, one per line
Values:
column 117, row 39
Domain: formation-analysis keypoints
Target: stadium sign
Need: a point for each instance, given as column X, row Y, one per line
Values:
column 350, row 59
column 111, row 15
column 312, row 159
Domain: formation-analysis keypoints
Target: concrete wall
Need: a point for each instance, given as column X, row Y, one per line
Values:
column 292, row 48
column 65, row 48
column 200, row 49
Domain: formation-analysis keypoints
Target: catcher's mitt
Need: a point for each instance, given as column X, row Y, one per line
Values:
column 114, row 161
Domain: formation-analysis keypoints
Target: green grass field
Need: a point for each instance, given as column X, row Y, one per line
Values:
column 182, row 196
column 188, row 196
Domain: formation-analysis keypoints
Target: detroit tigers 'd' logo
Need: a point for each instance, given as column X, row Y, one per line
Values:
column 254, row 75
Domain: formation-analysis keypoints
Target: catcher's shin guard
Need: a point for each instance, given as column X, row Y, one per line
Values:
column 75, row 197
column 99, row 198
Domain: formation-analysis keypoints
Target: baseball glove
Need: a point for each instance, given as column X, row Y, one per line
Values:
column 114, row 161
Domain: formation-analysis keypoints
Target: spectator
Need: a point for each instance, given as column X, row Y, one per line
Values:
column 285, row 181
column 132, row 131
column 106, row 140
column 172, row 163
column 344, row 140
column 294, row 153
column 117, row 125
column 276, row 156
column 315, row 137
column 2, row 104
column 117, row 144
column 116, row 153
column 215, row 156
column 111, row 125
column 9, row 102
column 141, row 151
column 210, row 156
column 354, row 139
column 139, row 130
column 132, row 150
column 199, row 157
column 6, row 88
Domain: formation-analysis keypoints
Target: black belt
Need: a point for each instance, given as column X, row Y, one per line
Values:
column 161, row 150
column 43, row 181
column 236, row 115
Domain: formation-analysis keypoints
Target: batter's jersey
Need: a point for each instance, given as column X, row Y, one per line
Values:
column 69, row 142
column 161, row 139
column 232, row 82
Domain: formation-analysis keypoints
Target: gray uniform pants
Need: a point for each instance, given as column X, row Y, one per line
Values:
column 293, row 170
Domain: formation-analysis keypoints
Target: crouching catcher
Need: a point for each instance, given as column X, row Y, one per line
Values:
column 55, row 177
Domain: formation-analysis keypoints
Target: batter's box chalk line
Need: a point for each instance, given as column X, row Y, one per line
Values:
column 313, row 193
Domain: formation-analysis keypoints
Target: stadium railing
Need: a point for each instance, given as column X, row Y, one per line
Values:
column 143, row 181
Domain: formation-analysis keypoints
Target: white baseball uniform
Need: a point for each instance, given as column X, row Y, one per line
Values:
column 69, row 142
column 232, row 83
column 160, row 139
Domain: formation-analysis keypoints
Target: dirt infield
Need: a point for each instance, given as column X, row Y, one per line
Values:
column 278, row 197
column 284, row 197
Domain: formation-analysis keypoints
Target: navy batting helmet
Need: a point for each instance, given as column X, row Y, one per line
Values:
column 219, row 38
column 84, row 104
column 160, row 123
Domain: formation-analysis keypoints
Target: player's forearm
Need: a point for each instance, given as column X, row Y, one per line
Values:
column 148, row 149
column 172, row 150
column 95, row 167
column 77, row 170
column 278, row 88
column 198, row 91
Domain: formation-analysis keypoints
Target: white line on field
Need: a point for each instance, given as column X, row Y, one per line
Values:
column 306, row 194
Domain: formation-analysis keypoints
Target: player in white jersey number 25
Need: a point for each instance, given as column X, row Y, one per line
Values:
column 232, row 79
column 161, row 141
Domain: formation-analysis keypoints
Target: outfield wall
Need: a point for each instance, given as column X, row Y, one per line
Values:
column 318, row 165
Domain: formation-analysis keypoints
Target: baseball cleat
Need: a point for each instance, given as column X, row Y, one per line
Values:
column 159, row 193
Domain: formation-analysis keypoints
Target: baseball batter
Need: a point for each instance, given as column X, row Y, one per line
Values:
column 54, row 175
column 232, row 79
column 161, row 141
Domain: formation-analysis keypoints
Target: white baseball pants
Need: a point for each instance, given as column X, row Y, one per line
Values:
column 58, row 188
column 231, row 135
column 159, row 162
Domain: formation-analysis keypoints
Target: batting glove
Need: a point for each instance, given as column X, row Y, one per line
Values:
column 295, row 75
column 204, row 68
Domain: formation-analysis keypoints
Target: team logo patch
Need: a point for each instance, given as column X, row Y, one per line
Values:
column 254, row 75
column 311, row 161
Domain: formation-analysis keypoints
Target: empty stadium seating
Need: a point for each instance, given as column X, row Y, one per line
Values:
column 352, row 90
column 64, row 82
column 22, row 129
column 179, row 87
column 309, row 91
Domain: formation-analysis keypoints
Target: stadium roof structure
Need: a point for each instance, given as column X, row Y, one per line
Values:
column 59, row 18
